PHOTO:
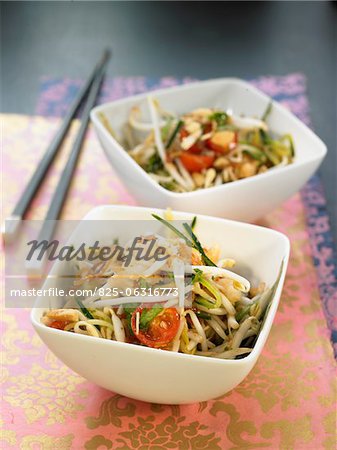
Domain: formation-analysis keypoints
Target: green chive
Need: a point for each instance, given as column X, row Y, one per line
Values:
column 194, row 222
column 174, row 229
column 198, row 246
column 84, row 310
column 267, row 111
column 174, row 134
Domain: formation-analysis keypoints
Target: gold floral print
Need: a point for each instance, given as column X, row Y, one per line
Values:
column 279, row 333
column 313, row 304
column 329, row 399
column 98, row 442
column 111, row 411
column 8, row 436
column 291, row 432
column 236, row 427
column 293, row 285
column 312, row 330
column 270, row 383
column 288, row 432
column 14, row 339
column 46, row 442
column 202, row 406
column 172, row 433
column 329, row 424
column 156, row 408
column 288, row 298
column 49, row 393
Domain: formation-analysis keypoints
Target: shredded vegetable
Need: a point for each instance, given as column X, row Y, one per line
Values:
column 202, row 309
column 204, row 147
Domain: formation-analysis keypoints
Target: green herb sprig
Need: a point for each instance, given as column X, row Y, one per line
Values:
column 84, row 310
column 267, row 111
column 174, row 134
column 148, row 315
column 191, row 241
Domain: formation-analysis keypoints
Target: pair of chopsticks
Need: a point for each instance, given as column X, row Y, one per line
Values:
column 89, row 90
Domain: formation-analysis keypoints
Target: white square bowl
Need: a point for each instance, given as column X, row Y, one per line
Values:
column 247, row 199
column 157, row 375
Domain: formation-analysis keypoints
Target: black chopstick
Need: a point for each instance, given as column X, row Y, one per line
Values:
column 13, row 222
column 60, row 193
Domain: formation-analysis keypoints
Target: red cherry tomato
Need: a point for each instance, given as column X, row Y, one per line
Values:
column 183, row 133
column 216, row 148
column 196, row 163
column 195, row 148
column 161, row 330
column 58, row 324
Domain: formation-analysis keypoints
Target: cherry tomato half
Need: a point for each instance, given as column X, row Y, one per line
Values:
column 196, row 163
column 58, row 324
column 216, row 148
column 198, row 147
column 161, row 330
column 183, row 133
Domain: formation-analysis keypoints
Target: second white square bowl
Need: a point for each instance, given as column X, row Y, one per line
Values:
column 246, row 199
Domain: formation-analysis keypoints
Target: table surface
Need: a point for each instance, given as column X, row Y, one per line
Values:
column 198, row 39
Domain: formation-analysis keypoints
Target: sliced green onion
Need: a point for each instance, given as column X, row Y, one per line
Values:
column 194, row 243
column 194, row 222
column 210, row 286
column 84, row 310
column 154, row 164
column 213, row 290
column 269, row 293
column 203, row 302
column 198, row 246
column 281, row 149
column 166, row 129
column 267, row 111
column 220, row 117
column 271, row 156
column 174, row 229
column 243, row 312
column 203, row 315
column 174, row 134
column 254, row 152
column 266, row 139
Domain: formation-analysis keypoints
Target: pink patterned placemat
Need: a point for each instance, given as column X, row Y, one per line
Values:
column 286, row 402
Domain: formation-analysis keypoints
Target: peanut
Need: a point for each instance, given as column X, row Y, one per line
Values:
column 221, row 162
column 209, row 177
column 198, row 179
column 247, row 169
